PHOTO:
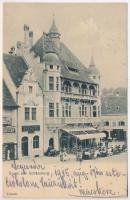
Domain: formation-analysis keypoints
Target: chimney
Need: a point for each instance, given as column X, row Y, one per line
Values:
column 20, row 47
column 12, row 50
column 30, row 39
column 26, row 36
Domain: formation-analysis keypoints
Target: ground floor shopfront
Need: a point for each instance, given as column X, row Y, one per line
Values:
column 84, row 138
column 34, row 143
column 10, row 151
column 118, row 134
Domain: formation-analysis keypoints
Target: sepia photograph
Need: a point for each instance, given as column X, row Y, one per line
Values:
column 65, row 83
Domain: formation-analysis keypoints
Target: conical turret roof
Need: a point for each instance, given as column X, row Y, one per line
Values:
column 53, row 28
column 92, row 67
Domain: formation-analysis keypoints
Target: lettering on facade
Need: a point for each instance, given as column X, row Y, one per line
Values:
column 30, row 129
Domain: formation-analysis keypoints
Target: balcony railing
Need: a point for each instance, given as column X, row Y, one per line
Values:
column 78, row 96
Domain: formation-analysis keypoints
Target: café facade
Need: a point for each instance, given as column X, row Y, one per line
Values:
column 59, row 98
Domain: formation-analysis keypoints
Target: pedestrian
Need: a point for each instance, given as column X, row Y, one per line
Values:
column 96, row 153
column 61, row 155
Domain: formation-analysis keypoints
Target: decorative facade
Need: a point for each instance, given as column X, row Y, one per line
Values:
column 57, row 94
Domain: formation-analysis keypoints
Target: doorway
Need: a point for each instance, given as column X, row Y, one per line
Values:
column 25, row 146
column 51, row 142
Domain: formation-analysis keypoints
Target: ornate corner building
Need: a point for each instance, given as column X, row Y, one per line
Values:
column 50, row 98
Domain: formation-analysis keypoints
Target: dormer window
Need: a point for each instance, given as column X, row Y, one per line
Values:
column 72, row 69
column 30, row 89
column 51, row 66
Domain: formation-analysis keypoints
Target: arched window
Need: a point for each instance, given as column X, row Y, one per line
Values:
column 36, row 142
column 67, row 87
column 84, row 89
column 76, row 88
column 92, row 90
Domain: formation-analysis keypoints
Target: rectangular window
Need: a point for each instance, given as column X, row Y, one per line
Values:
column 63, row 111
column 80, row 111
column 57, row 83
column 66, row 110
column 106, row 123
column 94, row 111
column 85, row 111
column 51, row 66
column 90, row 111
column 57, row 67
column 33, row 113
column 84, row 91
column 51, row 109
column 69, row 111
column 30, row 89
column 51, row 83
column 121, row 123
column 114, row 123
column 98, row 111
column 27, row 113
column 57, row 109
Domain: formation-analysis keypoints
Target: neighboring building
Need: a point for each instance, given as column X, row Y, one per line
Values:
column 114, row 113
column 10, row 132
column 67, row 109
column 25, row 90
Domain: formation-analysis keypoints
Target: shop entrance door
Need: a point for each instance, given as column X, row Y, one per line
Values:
column 25, row 146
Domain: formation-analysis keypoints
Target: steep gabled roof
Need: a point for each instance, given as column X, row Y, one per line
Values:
column 16, row 67
column 8, row 100
column 67, row 58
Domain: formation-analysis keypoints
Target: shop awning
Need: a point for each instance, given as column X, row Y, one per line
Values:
column 90, row 136
column 84, row 135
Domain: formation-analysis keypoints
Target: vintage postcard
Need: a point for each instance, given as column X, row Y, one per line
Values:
column 64, row 82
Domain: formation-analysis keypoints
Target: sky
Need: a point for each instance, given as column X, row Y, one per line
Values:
column 87, row 29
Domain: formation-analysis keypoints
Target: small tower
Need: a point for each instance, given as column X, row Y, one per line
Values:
column 54, row 34
column 52, row 95
column 53, row 69
column 94, row 73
